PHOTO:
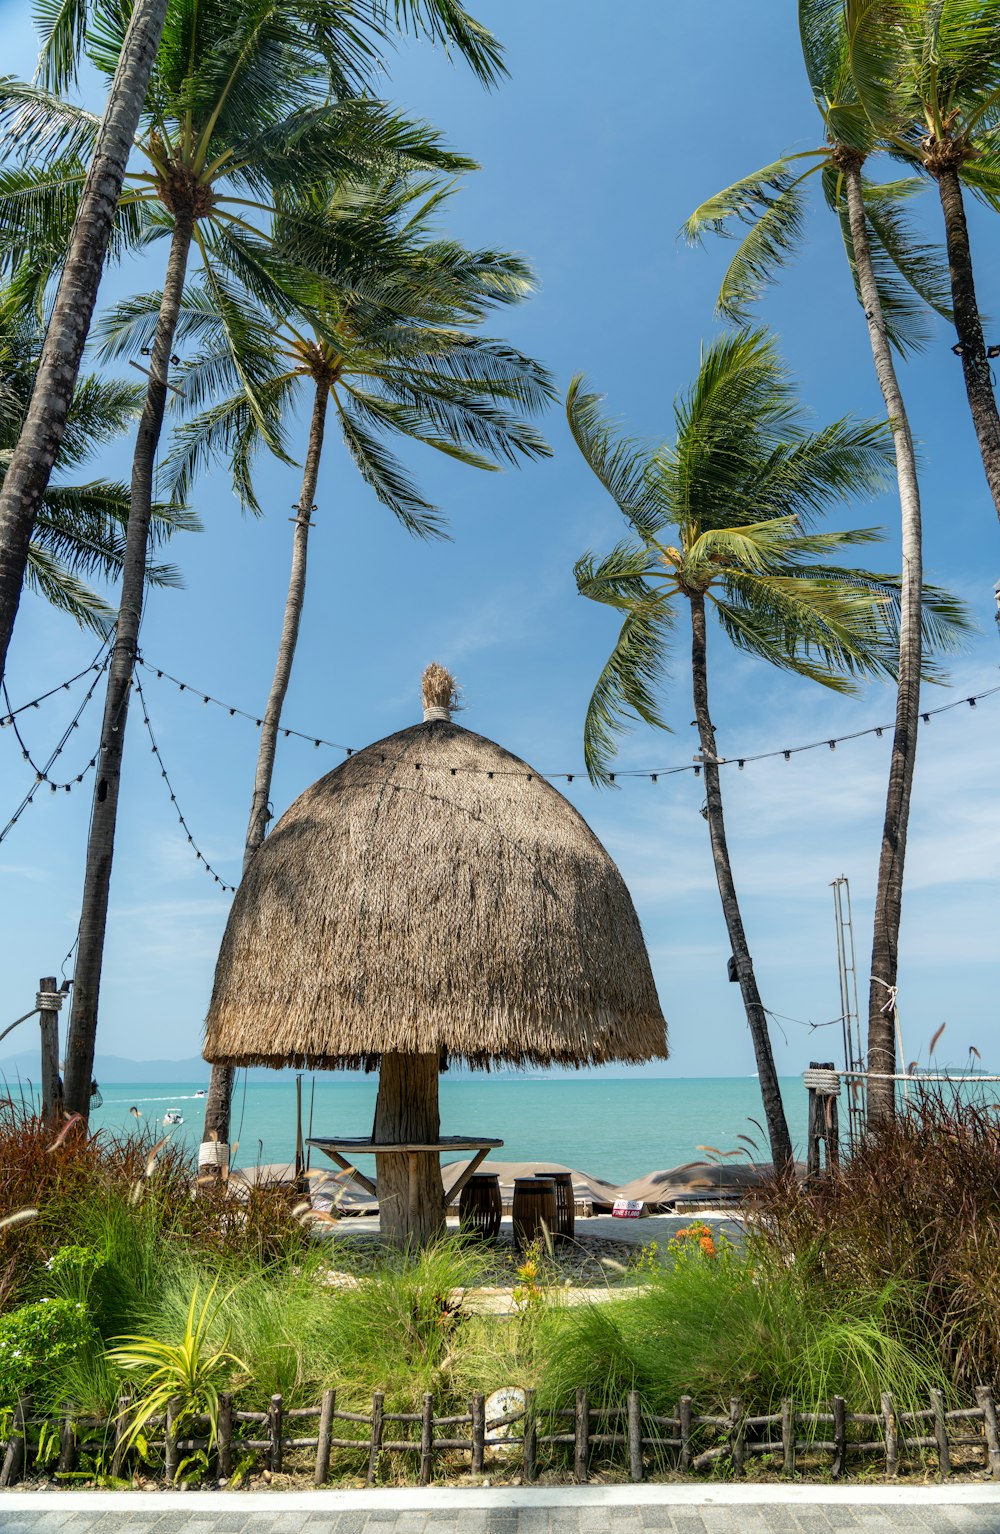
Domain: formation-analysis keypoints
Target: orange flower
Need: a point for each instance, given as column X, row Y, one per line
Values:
column 707, row 1245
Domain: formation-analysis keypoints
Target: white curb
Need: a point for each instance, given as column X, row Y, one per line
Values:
column 426, row 1499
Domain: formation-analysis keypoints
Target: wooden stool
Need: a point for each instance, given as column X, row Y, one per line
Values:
column 534, row 1207
column 565, row 1203
column 480, row 1207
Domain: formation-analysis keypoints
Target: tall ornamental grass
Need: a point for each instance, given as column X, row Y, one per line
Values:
column 913, row 1214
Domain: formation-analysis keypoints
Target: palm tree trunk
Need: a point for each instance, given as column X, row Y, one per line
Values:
column 975, row 363
column 889, row 893
column 42, row 432
column 81, row 1037
column 217, row 1105
column 774, row 1111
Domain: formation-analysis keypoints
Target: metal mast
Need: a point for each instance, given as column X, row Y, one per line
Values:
column 850, row 1023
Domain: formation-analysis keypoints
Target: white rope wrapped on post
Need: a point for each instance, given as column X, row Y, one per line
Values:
column 821, row 1080
column 213, row 1153
column 48, row 1001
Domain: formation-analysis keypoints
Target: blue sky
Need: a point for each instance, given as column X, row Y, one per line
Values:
column 614, row 124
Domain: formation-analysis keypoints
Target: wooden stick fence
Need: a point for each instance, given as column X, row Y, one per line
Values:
column 628, row 1434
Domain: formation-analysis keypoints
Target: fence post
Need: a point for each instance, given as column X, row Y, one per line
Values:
column 48, row 1019
column 121, row 1415
column 225, row 1436
column 941, row 1433
column 16, row 1458
column 376, row 1449
column 581, row 1437
column 325, row 1434
column 529, row 1453
column 984, row 1400
column 839, row 1437
column 171, row 1453
column 275, row 1416
column 684, row 1413
column 787, row 1436
column 891, row 1435
column 67, row 1446
column 477, row 1411
column 634, row 1436
column 736, row 1433
column 427, row 1440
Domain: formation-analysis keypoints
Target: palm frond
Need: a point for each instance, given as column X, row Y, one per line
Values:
column 385, row 475
column 621, row 464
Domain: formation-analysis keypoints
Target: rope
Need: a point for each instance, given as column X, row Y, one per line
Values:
column 48, row 1001
column 824, row 1082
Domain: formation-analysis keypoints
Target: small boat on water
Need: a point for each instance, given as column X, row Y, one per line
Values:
column 200, row 1092
column 173, row 1116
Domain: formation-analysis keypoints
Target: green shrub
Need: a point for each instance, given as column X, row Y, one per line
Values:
column 36, row 1342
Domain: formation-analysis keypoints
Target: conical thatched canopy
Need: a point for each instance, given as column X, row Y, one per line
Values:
column 433, row 894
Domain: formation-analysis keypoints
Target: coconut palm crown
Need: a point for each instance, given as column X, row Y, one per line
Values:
column 742, row 484
column 80, row 531
column 772, row 203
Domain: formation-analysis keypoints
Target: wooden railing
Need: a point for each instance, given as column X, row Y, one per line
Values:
column 627, row 1434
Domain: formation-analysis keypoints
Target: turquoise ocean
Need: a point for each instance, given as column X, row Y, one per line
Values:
column 612, row 1128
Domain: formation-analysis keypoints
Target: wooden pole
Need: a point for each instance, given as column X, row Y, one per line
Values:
column 325, row 1433
column 581, row 1437
column 891, row 1435
column 634, row 1436
column 984, row 1399
column 684, row 1414
column 171, row 1453
column 941, row 1432
column 15, row 1460
column 376, row 1445
column 477, row 1411
column 48, row 1018
column 427, row 1440
column 787, row 1436
column 529, row 1461
column 275, row 1415
column 225, row 1436
column 67, row 1447
column 839, row 1437
column 121, row 1428
column 736, row 1433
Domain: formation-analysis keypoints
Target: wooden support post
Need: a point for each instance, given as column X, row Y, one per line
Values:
column 171, row 1453
column 529, row 1453
column 634, row 1436
column 376, row 1445
column 941, row 1433
column 427, row 1440
column 684, row 1413
column 787, row 1436
column 16, row 1459
column 891, row 1436
column 48, row 1019
column 325, row 1433
column 984, row 1400
column 275, row 1415
column 812, row 1133
column 736, row 1434
column 225, row 1436
column 839, row 1437
column 121, row 1429
column 67, row 1447
column 832, row 1131
column 581, row 1438
column 477, row 1411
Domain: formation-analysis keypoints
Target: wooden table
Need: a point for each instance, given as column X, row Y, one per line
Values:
column 339, row 1149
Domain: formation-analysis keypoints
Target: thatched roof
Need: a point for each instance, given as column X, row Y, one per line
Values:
column 432, row 894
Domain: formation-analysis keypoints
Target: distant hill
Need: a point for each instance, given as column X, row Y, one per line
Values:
column 109, row 1069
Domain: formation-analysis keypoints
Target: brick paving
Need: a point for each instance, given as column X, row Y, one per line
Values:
column 761, row 1518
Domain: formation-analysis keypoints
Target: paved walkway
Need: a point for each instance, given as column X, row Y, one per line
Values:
column 966, row 1509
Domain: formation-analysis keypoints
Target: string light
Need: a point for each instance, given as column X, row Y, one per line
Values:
column 226, row 888
column 653, row 774
column 95, row 665
column 42, row 773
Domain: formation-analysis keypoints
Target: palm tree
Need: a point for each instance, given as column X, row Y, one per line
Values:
column 886, row 264
column 389, row 346
column 741, row 484
column 80, row 528
column 238, row 113
column 37, row 447
column 928, row 73
column 350, row 35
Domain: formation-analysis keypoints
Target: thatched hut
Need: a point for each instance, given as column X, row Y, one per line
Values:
column 431, row 898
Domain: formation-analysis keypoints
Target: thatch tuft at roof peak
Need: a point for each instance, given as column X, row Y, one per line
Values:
column 441, row 694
